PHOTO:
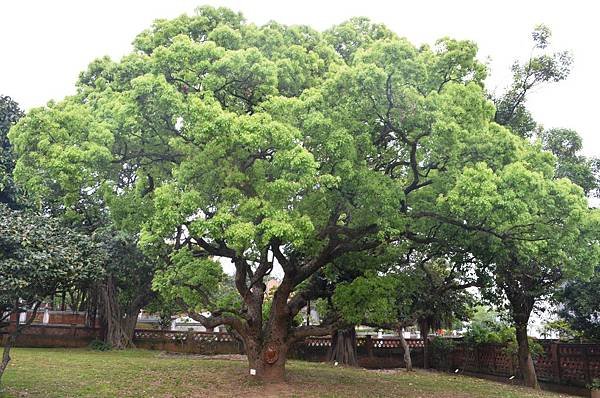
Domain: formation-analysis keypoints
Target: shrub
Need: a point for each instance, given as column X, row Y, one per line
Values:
column 440, row 351
column 594, row 385
column 99, row 345
column 535, row 348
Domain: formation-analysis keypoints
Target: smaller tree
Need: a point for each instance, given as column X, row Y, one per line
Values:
column 566, row 145
column 126, row 285
column 39, row 258
column 427, row 293
column 541, row 68
column 540, row 234
column 580, row 306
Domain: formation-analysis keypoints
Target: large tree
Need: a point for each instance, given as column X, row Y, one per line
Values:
column 529, row 276
column 268, row 146
column 39, row 258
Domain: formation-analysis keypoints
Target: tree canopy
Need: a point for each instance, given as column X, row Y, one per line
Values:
column 38, row 259
column 579, row 306
column 279, row 145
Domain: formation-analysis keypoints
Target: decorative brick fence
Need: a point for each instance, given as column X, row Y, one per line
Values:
column 371, row 352
column 189, row 342
column 561, row 363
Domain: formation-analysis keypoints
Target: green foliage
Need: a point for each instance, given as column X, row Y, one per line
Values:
column 486, row 327
column 334, row 152
column 9, row 115
column 39, row 257
column 129, row 270
column 541, row 68
column 442, row 345
column 199, row 282
column 441, row 348
column 404, row 297
column 580, row 305
column 566, row 144
column 348, row 37
column 535, row 348
column 367, row 298
column 563, row 328
column 594, row 385
column 99, row 345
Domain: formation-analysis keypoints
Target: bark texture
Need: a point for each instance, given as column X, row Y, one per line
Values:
column 118, row 321
column 343, row 347
column 406, row 349
column 525, row 360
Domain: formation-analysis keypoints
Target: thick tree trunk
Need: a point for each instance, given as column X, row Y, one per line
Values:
column 524, row 356
column 406, row 349
column 424, row 329
column 343, row 347
column 119, row 331
column 267, row 344
column 266, row 361
column 118, row 324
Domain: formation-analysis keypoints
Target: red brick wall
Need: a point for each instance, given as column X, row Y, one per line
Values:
column 59, row 318
column 55, row 336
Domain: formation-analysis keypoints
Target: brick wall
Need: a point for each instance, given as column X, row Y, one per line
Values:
column 55, row 336
column 58, row 317
column 187, row 342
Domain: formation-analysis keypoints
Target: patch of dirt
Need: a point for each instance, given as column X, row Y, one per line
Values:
column 225, row 357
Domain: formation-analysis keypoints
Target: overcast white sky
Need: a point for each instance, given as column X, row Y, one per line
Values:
column 45, row 44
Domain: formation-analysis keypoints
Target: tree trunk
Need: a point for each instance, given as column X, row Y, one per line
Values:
column 424, row 329
column 406, row 349
column 524, row 356
column 267, row 344
column 13, row 336
column 343, row 347
column 118, row 325
column 6, row 353
column 267, row 362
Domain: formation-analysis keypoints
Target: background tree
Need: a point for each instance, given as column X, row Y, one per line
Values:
column 416, row 291
column 125, row 288
column 539, row 69
column 542, row 234
column 38, row 259
column 9, row 115
column 579, row 306
column 512, row 112
column 76, row 178
column 566, row 144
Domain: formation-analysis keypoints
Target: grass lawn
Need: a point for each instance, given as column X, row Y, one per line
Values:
column 139, row 373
